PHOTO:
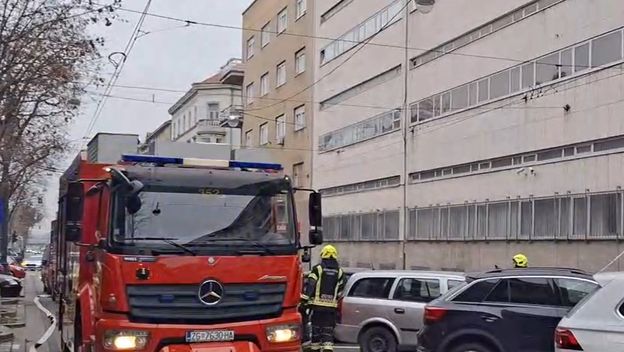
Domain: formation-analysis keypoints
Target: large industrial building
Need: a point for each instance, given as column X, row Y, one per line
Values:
column 454, row 138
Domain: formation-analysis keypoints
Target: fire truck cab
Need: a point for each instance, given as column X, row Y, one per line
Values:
column 175, row 254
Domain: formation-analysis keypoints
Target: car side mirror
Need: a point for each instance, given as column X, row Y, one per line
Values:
column 74, row 203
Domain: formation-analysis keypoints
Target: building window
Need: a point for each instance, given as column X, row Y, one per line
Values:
column 280, row 129
column 248, row 138
column 300, row 121
column 282, row 20
column 375, row 126
column 572, row 217
column 605, row 50
column 298, row 175
column 300, row 61
column 250, row 47
column 264, row 134
column 213, row 111
column 265, row 35
column 482, row 31
column 264, row 84
column 249, row 93
column 363, row 31
column 281, row 74
column 301, row 8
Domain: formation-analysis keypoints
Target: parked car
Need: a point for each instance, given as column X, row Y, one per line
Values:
column 32, row 262
column 596, row 324
column 504, row 311
column 382, row 309
column 16, row 269
column 10, row 286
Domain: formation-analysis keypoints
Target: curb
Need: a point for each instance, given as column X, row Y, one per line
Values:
column 5, row 334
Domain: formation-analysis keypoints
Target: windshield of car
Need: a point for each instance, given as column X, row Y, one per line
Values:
column 34, row 258
column 256, row 216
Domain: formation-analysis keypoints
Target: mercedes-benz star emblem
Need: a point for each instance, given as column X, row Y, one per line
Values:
column 210, row 292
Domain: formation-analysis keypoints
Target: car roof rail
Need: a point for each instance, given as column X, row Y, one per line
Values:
column 537, row 268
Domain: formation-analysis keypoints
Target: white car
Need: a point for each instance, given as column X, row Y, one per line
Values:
column 596, row 324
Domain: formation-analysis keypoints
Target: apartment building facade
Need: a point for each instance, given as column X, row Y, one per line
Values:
column 196, row 116
column 277, row 94
column 456, row 138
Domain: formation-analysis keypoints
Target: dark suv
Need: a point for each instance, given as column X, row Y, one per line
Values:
column 503, row 311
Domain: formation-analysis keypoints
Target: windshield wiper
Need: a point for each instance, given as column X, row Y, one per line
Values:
column 209, row 241
column 167, row 240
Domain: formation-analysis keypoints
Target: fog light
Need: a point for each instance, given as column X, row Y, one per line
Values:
column 125, row 340
column 282, row 333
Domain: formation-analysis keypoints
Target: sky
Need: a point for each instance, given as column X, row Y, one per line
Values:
column 172, row 56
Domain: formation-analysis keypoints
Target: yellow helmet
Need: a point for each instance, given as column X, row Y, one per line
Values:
column 520, row 260
column 328, row 252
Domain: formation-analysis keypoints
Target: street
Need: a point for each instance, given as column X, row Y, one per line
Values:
column 36, row 322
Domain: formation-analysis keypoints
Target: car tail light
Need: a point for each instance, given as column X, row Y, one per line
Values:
column 433, row 314
column 565, row 339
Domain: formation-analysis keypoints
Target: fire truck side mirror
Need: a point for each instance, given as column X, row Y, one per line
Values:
column 73, row 212
column 315, row 215
column 315, row 210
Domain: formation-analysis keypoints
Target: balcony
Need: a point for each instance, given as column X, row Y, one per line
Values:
column 209, row 126
column 233, row 72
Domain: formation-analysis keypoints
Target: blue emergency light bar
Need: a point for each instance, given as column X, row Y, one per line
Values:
column 194, row 162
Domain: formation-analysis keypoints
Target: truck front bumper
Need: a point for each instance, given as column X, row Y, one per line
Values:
column 172, row 337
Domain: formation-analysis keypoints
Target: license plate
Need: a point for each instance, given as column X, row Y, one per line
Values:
column 209, row 336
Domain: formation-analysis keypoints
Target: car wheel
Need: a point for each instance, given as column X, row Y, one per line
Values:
column 378, row 339
column 472, row 347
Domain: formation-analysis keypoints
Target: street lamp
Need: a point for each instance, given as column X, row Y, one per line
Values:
column 232, row 121
column 424, row 6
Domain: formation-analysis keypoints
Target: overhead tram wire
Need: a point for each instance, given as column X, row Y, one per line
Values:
column 118, row 68
column 286, row 33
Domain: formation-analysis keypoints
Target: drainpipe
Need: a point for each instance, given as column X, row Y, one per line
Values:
column 404, row 133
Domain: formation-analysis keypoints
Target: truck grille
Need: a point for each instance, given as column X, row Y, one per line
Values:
column 180, row 304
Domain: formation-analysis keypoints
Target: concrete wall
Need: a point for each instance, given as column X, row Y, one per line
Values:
column 525, row 122
column 476, row 256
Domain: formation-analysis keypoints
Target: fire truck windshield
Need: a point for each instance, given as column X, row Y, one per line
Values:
column 250, row 217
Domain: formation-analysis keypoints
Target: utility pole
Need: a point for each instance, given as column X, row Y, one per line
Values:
column 4, row 224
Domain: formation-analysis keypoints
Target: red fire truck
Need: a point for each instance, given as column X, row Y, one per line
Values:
column 175, row 254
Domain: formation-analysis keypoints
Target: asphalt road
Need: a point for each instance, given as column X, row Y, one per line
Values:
column 36, row 321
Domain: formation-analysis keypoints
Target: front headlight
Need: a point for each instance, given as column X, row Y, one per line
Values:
column 282, row 333
column 125, row 340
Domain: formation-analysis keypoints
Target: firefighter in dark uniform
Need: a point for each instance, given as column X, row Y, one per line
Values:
column 322, row 291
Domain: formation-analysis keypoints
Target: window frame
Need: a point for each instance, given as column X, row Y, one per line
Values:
column 251, row 43
column 280, row 128
column 299, row 126
column 400, row 279
column 299, row 55
column 281, row 67
column 279, row 28
column 265, row 34
column 298, row 8
column 392, row 281
column 264, row 84
column 263, row 136
column 249, row 93
column 297, row 181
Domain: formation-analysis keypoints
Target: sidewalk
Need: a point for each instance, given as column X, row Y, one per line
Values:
column 22, row 323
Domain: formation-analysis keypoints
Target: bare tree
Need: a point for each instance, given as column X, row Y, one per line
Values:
column 46, row 56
